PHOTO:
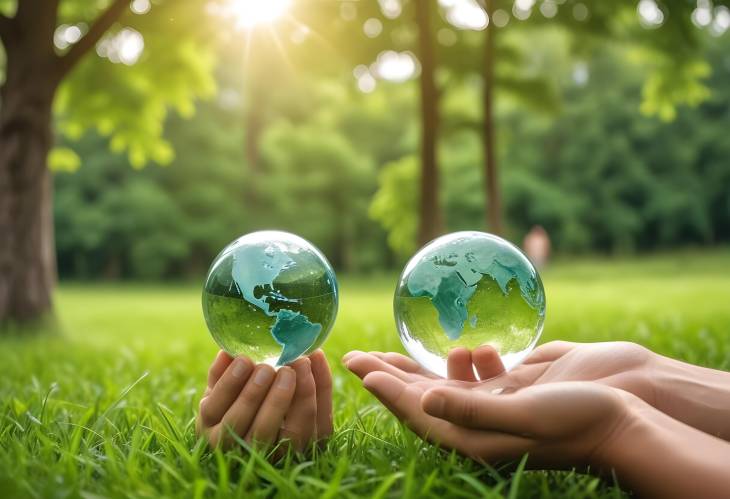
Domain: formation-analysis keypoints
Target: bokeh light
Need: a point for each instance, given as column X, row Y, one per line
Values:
column 372, row 27
column 395, row 66
column 125, row 47
column 66, row 35
column 390, row 8
column 465, row 14
column 549, row 9
column 580, row 12
column 251, row 13
column 500, row 18
column 650, row 15
column 140, row 6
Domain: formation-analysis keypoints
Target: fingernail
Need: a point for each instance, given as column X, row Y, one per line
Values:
column 263, row 376
column 240, row 367
column 350, row 355
column 434, row 404
column 384, row 386
column 285, row 378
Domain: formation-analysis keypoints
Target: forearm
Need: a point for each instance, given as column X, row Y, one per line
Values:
column 697, row 396
column 658, row 456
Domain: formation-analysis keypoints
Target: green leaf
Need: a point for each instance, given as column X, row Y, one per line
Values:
column 63, row 159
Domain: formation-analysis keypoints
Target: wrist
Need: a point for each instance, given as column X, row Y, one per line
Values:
column 697, row 396
column 640, row 374
column 629, row 421
column 658, row 456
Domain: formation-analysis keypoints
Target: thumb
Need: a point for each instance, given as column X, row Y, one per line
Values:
column 472, row 409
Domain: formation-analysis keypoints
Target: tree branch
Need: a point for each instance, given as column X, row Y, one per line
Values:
column 102, row 23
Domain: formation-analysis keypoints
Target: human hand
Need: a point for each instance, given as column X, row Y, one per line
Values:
column 557, row 423
column 623, row 365
column 563, row 422
column 697, row 396
column 264, row 406
column 617, row 364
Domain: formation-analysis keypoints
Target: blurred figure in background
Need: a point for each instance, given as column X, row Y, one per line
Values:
column 537, row 246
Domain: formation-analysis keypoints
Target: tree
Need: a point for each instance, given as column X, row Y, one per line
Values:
column 125, row 95
column 429, row 221
column 491, row 184
column 599, row 176
column 411, row 28
column 663, row 37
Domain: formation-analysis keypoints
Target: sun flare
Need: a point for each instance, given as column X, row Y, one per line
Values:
column 252, row 13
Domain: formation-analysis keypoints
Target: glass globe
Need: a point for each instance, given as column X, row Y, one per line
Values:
column 469, row 289
column 271, row 296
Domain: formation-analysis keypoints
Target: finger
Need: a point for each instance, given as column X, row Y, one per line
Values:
column 300, row 424
column 239, row 417
column 458, row 365
column 323, row 385
column 487, row 362
column 218, row 367
column 365, row 363
column 404, row 401
column 349, row 355
column 402, row 362
column 226, row 389
column 549, row 352
column 510, row 413
column 270, row 417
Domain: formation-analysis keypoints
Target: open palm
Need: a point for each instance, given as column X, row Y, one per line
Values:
column 559, row 423
column 616, row 364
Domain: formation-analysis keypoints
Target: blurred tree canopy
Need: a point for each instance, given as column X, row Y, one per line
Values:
column 364, row 126
column 341, row 169
column 115, row 67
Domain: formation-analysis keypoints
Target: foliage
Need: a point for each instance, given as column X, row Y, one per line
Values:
column 108, row 409
column 318, row 184
column 604, row 177
column 112, row 221
column 129, row 102
column 395, row 204
column 598, row 176
column 340, row 167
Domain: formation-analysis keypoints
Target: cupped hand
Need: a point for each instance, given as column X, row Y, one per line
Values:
column 461, row 364
column 557, row 423
column 264, row 406
column 618, row 364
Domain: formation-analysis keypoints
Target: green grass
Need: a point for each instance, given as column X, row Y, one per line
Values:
column 107, row 408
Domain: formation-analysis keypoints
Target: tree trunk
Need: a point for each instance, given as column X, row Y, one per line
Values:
column 429, row 224
column 27, row 253
column 32, row 74
column 493, row 203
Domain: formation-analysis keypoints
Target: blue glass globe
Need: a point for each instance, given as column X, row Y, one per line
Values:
column 469, row 289
column 271, row 296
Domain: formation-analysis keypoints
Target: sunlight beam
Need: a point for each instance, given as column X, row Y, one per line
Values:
column 251, row 13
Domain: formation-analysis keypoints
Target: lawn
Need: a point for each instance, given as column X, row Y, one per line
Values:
column 107, row 408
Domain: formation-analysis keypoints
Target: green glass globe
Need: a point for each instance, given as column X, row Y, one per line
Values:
column 469, row 289
column 271, row 296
